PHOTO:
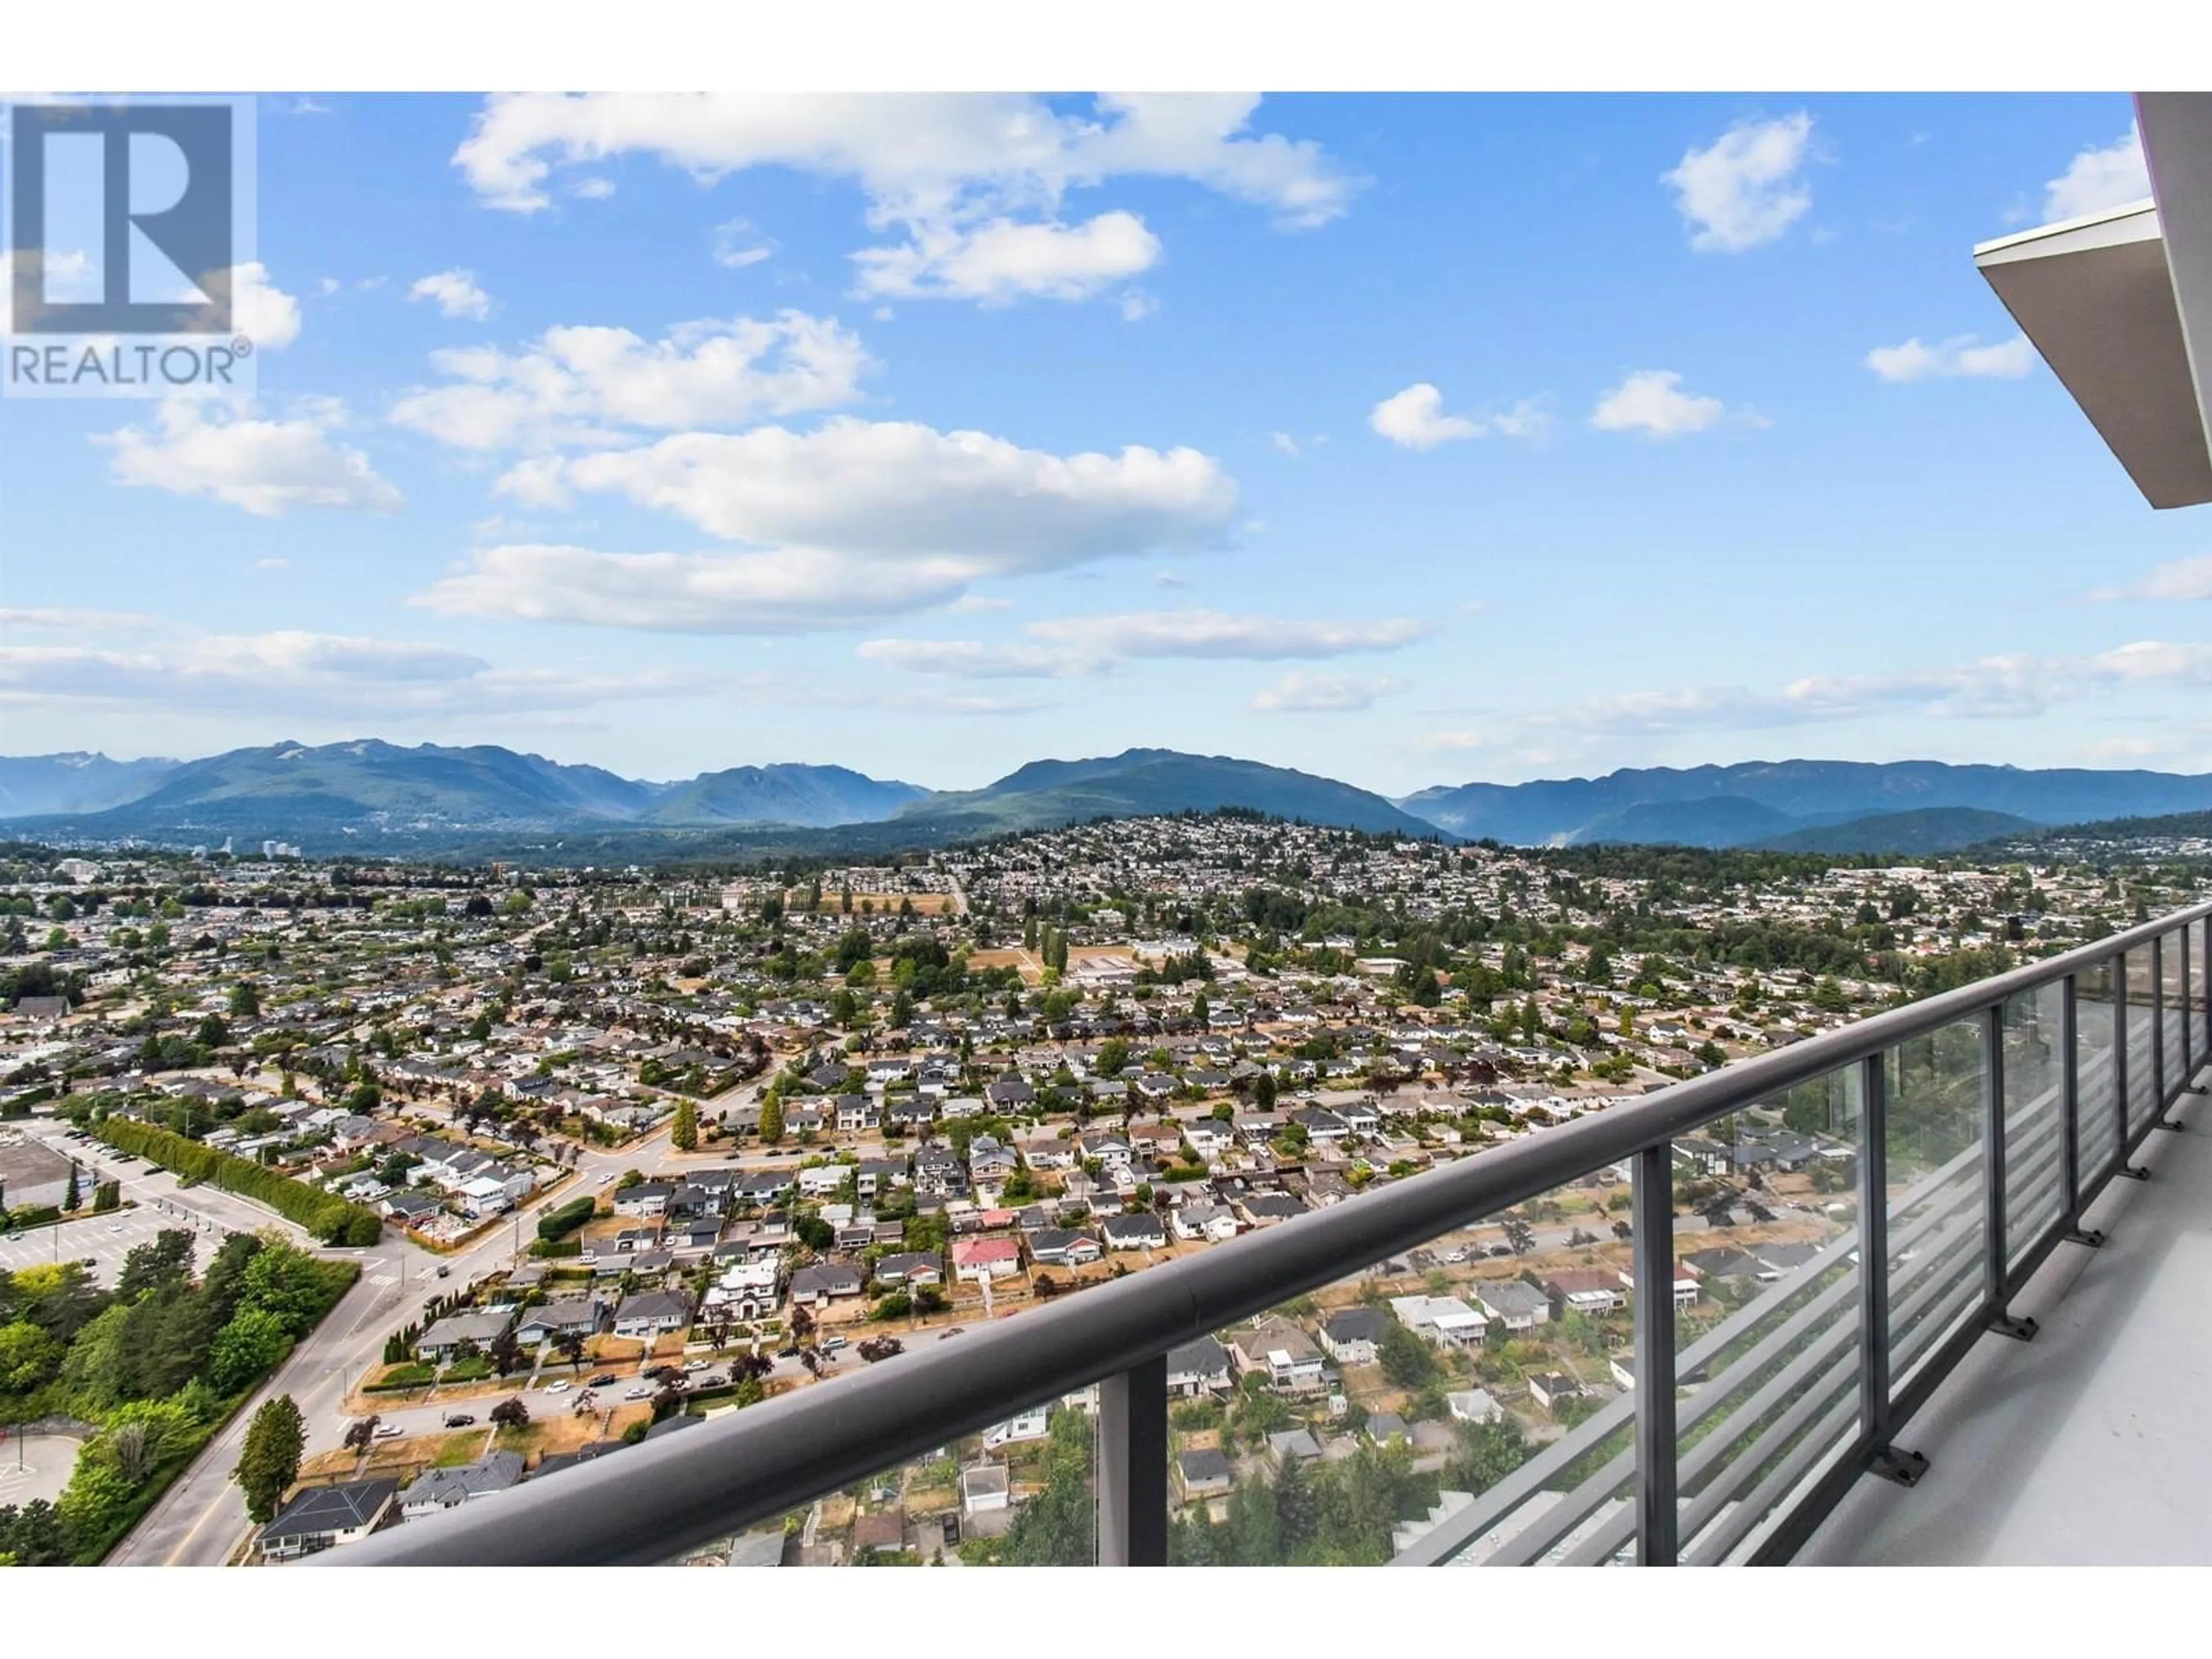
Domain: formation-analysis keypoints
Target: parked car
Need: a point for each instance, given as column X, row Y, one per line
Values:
column 560, row 1387
column 696, row 1364
column 387, row 1431
column 833, row 1345
column 712, row 1380
column 460, row 1421
column 444, row 1271
column 786, row 1354
column 638, row 1392
column 601, row 1380
column 89, row 1261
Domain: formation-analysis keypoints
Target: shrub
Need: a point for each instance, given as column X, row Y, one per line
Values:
column 329, row 1218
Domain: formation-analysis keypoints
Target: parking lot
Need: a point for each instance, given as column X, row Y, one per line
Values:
column 105, row 1238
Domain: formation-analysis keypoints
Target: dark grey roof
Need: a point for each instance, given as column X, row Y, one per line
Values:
column 330, row 1509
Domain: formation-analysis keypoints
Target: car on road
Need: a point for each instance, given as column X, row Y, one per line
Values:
column 560, row 1387
column 601, row 1381
column 712, row 1380
column 833, row 1345
column 460, row 1421
column 954, row 1331
column 116, row 1229
column 386, row 1432
column 637, row 1392
column 696, row 1364
column 605, row 1178
column 786, row 1354
column 444, row 1271
column 89, row 1261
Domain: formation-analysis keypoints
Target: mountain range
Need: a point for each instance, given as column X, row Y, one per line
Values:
column 333, row 796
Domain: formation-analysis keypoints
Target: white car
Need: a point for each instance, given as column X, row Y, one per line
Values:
column 638, row 1393
column 387, row 1431
column 560, row 1387
column 696, row 1364
column 605, row 1178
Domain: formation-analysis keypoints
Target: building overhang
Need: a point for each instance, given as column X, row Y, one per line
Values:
column 2119, row 304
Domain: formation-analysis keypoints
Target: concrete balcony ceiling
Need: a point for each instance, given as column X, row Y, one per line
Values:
column 2119, row 304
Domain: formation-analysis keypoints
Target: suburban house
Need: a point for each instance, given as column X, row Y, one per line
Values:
column 651, row 1313
column 1584, row 1291
column 1138, row 1231
column 1199, row 1367
column 1202, row 1473
column 747, row 1289
column 1278, row 1350
column 1548, row 1389
column 445, row 1489
column 1473, row 1406
column 910, row 1267
column 1685, row 1286
column 1516, row 1306
column 1353, row 1336
column 818, row 1283
column 647, row 1198
column 1215, row 1222
column 1443, row 1319
column 1034, row 1424
column 323, row 1518
column 981, row 1259
column 1057, row 1246
column 444, row 1340
column 982, row 1489
column 541, row 1325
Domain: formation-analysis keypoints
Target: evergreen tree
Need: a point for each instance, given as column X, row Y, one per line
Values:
column 684, row 1135
column 271, row 1459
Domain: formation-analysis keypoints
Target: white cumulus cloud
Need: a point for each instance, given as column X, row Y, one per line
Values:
column 1744, row 189
column 579, row 385
column 2177, row 579
column 266, row 467
column 455, row 292
column 1414, row 419
column 1652, row 401
column 2098, row 179
column 973, row 184
column 1960, row 357
column 1062, row 647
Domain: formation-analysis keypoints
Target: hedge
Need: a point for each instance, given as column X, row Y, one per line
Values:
column 331, row 1218
column 557, row 1224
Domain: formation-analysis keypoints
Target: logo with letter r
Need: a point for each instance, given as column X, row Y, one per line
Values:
column 127, row 208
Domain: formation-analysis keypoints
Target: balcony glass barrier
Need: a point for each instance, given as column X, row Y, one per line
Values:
column 2173, row 1011
column 1935, row 1170
column 2099, row 1106
column 2033, row 1066
column 1767, row 1315
column 2139, row 988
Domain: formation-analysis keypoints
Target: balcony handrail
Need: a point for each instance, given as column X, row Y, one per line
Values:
column 662, row 1496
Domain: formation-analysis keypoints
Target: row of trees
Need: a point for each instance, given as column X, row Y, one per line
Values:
column 328, row 1217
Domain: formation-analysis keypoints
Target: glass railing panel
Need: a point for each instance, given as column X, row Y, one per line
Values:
column 1767, row 1328
column 2034, row 1121
column 1936, row 1169
column 1466, row 1402
column 2142, row 1077
column 2097, row 1087
column 1022, row 1492
column 2174, row 1003
column 2194, row 1033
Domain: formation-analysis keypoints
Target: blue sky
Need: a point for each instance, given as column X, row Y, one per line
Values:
column 1408, row 440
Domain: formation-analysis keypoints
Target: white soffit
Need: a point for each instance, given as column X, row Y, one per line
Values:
column 2095, row 297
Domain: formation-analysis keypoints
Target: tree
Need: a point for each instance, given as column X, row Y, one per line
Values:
column 1264, row 1092
column 506, row 1352
column 361, row 1435
column 1113, row 1057
column 270, row 1461
column 1407, row 1361
column 71, row 1198
column 511, row 1413
column 881, row 1347
column 245, row 1000
column 1520, row 1236
column 683, row 1136
column 571, row 1344
column 253, row 1344
column 771, row 1118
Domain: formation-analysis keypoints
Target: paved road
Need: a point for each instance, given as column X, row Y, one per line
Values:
column 201, row 1519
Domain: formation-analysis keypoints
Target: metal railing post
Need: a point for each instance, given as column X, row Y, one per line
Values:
column 2120, row 1079
column 2069, row 1107
column 1997, row 1277
column 2188, row 1028
column 1652, row 1215
column 1132, row 1466
column 1873, row 1251
column 2158, row 1078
